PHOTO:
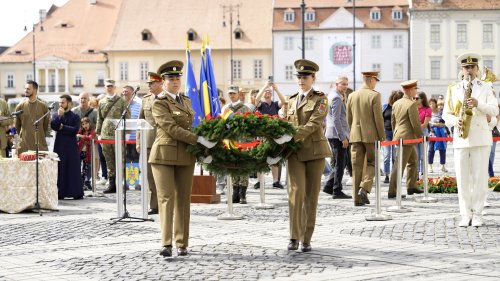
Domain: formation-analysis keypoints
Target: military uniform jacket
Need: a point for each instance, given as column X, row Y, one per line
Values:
column 364, row 116
column 173, row 132
column 308, row 118
column 110, row 109
column 4, row 125
column 405, row 121
column 480, row 133
column 146, row 112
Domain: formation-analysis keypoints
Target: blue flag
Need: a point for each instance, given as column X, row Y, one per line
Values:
column 215, row 109
column 192, row 91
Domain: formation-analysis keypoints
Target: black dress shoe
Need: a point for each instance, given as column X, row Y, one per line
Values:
column 277, row 184
column 293, row 245
column 182, row 251
column 364, row 196
column 110, row 190
column 392, row 196
column 328, row 190
column 341, row 195
column 386, row 180
column 413, row 190
column 152, row 212
column 166, row 251
column 257, row 185
column 306, row 247
column 359, row 203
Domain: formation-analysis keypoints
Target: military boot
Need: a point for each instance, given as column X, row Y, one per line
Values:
column 243, row 194
column 112, row 186
column 236, row 194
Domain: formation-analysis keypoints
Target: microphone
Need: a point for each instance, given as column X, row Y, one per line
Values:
column 137, row 88
column 52, row 106
column 17, row 113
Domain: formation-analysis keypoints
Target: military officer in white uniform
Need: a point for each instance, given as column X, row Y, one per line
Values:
column 471, row 153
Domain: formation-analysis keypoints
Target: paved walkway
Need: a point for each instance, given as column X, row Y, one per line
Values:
column 77, row 243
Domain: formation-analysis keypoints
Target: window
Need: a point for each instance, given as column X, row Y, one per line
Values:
column 237, row 69
column 78, row 80
column 144, row 68
column 289, row 16
column 100, row 78
column 435, row 69
column 123, row 71
column 461, row 33
column 10, row 80
column 398, row 41
column 375, row 14
column 288, row 43
column 488, row 63
column 288, row 72
column 375, row 41
column 398, row 71
column 29, row 76
column 310, row 16
column 257, row 69
column 435, row 34
column 309, row 43
column 376, row 67
column 397, row 14
column 146, row 35
column 487, row 33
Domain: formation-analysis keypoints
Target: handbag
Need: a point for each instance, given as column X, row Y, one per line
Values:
column 495, row 132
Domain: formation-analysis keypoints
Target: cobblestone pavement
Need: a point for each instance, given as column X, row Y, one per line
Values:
column 78, row 243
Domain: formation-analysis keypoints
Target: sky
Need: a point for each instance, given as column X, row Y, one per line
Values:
column 16, row 14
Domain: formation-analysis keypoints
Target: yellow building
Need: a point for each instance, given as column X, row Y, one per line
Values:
column 68, row 53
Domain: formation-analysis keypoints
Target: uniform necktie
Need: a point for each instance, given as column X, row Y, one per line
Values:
column 178, row 99
column 299, row 101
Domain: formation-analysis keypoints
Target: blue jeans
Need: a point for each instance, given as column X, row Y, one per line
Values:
column 420, row 153
column 389, row 153
column 492, row 159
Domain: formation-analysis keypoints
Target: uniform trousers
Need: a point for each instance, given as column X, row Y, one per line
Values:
column 109, row 155
column 362, row 176
column 471, row 166
column 174, row 201
column 410, row 160
column 304, row 178
column 153, row 198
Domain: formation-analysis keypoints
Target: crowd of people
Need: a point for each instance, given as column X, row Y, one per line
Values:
column 342, row 125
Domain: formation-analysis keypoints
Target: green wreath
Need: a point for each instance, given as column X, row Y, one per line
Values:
column 244, row 143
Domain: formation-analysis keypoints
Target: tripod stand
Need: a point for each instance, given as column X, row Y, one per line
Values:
column 37, row 206
column 125, row 217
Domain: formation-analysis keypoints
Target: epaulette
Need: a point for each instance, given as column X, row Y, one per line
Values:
column 184, row 95
column 147, row 95
column 319, row 93
column 294, row 95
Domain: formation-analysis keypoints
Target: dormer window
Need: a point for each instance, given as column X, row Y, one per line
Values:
column 18, row 52
column 397, row 13
column 146, row 35
column 91, row 51
column 375, row 14
column 238, row 33
column 191, row 34
column 289, row 15
column 64, row 25
column 310, row 15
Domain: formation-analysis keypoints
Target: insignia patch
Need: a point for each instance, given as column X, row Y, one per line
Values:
column 322, row 105
column 176, row 112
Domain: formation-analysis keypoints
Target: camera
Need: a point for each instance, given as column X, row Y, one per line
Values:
column 270, row 78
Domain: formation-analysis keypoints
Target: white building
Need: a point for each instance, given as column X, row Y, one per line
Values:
column 381, row 41
column 441, row 30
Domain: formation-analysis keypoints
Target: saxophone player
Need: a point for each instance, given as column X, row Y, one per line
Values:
column 471, row 151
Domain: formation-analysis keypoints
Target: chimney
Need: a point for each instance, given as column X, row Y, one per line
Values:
column 43, row 14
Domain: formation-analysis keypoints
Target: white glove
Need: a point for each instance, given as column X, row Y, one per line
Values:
column 205, row 142
column 273, row 160
column 207, row 160
column 283, row 139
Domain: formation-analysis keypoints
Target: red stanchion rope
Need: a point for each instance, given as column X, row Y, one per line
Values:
column 439, row 139
column 388, row 143
column 413, row 141
column 113, row 141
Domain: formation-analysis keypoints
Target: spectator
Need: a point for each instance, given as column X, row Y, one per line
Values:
column 85, row 136
column 493, row 123
column 131, row 154
column 425, row 113
column 66, row 123
column 389, row 151
column 438, row 129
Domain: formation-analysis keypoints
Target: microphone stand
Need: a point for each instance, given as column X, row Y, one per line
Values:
column 37, row 203
column 126, row 216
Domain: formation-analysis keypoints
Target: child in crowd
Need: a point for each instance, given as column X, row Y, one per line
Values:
column 85, row 136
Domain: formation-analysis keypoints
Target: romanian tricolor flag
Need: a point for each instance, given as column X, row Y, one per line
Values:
column 227, row 114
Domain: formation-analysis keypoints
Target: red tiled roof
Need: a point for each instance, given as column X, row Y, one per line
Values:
column 457, row 5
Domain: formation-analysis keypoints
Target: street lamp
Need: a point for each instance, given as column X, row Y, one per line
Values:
column 34, row 29
column 237, row 32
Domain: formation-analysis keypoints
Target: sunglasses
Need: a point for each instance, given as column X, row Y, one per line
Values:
column 416, row 98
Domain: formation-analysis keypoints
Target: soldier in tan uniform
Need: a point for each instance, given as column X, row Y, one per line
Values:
column 406, row 125
column 146, row 112
column 110, row 107
column 240, row 183
column 366, row 124
column 172, row 165
column 4, row 125
column 307, row 111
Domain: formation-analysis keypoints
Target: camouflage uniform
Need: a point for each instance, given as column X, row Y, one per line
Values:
column 109, row 108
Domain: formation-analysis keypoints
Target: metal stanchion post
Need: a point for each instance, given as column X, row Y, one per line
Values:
column 263, row 204
column 230, row 215
column 398, row 208
column 426, row 198
column 378, row 216
column 94, row 171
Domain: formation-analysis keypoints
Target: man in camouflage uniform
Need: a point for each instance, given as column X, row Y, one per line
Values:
column 110, row 107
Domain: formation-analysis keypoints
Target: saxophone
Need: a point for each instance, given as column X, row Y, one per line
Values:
column 466, row 115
